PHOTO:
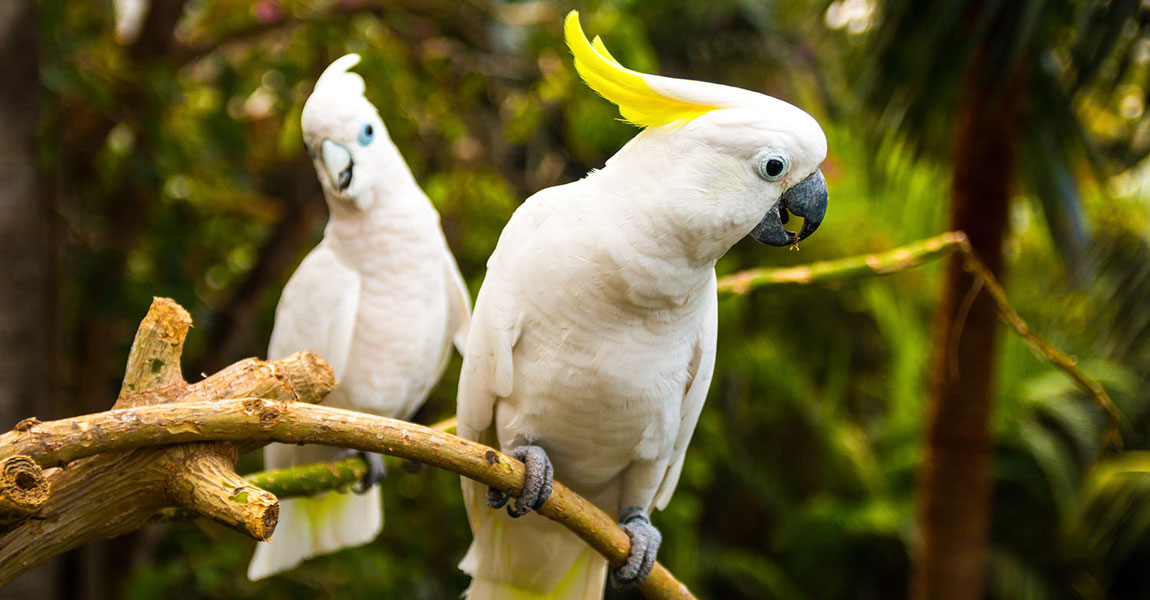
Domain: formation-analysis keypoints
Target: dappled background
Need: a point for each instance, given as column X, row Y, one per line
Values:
column 171, row 163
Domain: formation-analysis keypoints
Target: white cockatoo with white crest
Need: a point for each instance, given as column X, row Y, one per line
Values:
column 593, row 339
column 380, row 298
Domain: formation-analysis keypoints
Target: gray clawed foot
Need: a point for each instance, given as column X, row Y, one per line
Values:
column 536, row 485
column 645, row 540
column 376, row 470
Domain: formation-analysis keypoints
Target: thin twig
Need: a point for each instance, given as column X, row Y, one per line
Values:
column 916, row 254
column 865, row 265
column 975, row 266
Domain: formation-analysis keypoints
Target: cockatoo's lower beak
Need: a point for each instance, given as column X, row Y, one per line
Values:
column 338, row 164
column 807, row 199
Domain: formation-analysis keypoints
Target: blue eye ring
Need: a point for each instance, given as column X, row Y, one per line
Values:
column 773, row 165
column 366, row 135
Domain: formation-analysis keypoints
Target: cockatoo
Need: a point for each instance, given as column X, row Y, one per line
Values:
column 380, row 298
column 593, row 339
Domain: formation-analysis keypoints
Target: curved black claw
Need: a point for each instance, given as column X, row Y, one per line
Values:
column 497, row 499
column 645, row 541
column 376, row 470
column 536, row 485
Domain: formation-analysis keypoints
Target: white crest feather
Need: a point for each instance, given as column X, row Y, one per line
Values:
column 337, row 78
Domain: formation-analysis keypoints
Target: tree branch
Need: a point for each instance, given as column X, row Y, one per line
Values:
column 264, row 420
column 115, row 493
column 153, row 368
column 189, row 54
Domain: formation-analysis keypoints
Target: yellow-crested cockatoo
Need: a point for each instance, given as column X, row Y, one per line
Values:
column 593, row 339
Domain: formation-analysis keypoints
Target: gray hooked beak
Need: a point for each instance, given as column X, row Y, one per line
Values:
column 337, row 161
column 807, row 199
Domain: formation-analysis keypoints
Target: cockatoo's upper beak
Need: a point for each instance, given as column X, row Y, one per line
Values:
column 807, row 199
column 338, row 164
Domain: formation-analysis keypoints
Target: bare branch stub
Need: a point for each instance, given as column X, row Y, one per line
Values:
column 154, row 361
column 200, row 477
column 209, row 485
column 23, row 489
column 112, row 494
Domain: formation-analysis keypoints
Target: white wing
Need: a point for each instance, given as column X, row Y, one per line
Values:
column 488, row 373
column 702, row 367
column 317, row 310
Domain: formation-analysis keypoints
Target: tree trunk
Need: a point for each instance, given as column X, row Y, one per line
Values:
column 25, row 240
column 955, row 478
column 26, row 249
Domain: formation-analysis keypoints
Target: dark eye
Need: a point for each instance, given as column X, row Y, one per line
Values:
column 366, row 135
column 310, row 152
column 772, row 166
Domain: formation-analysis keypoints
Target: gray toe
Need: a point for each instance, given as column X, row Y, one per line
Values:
column 645, row 541
column 538, row 482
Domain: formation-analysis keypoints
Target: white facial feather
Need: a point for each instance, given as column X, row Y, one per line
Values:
column 772, row 123
column 707, row 169
column 338, row 112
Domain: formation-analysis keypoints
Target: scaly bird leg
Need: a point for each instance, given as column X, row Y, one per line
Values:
column 645, row 540
column 536, row 485
column 376, row 470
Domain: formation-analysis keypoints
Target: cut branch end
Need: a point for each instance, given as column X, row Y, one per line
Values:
column 23, row 489
column 205, row 481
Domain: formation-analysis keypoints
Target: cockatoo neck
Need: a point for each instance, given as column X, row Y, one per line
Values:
column 677, row 195
column 397, row 216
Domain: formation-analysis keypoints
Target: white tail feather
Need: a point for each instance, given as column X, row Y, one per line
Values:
column 584, row 581
column 313, row 526
column 527, row 558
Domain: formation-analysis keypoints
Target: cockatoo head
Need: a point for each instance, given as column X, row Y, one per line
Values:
column 346, row 138
column 750, row 158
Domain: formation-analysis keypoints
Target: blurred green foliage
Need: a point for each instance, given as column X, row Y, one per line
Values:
column 179, row 171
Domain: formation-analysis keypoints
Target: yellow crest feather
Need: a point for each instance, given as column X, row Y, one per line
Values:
column 638, row 103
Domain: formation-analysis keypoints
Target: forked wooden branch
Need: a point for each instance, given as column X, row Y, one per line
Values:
column 115, row 493
column 266, row 420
